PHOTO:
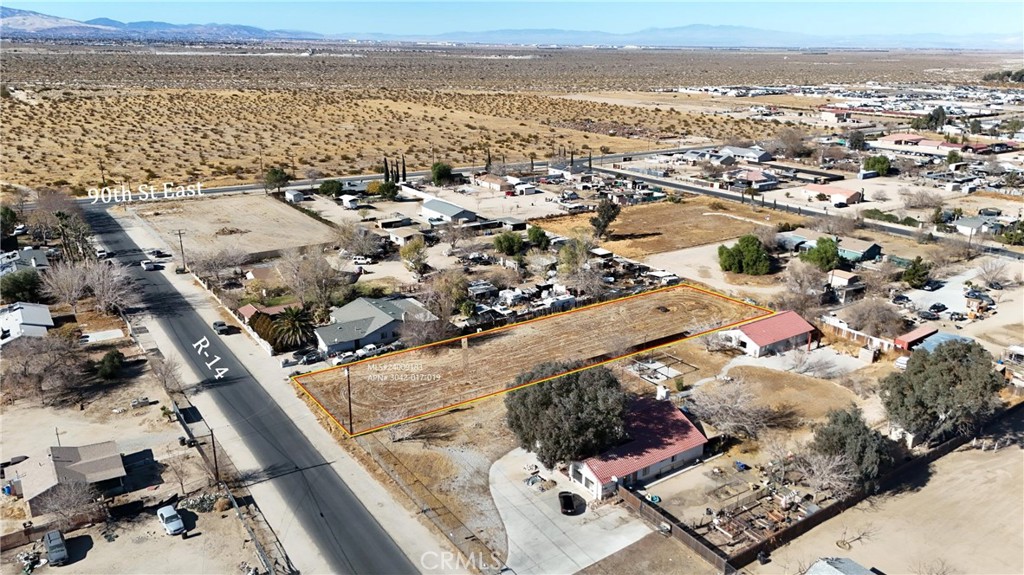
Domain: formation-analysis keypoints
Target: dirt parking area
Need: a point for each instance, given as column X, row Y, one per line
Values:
column 964, row 513
column 217, row 543
column 655, row 554
column 422, row 380
column 664, row 226
column 251, row 222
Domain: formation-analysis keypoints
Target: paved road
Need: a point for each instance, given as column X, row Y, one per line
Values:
column 347, row 535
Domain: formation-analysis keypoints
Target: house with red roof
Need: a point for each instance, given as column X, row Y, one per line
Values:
column 661, row 440
column 776, row 333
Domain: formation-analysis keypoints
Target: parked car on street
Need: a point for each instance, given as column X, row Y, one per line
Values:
column 147, row 265
column 221, row 328
column 841, row 205
column 170, row 520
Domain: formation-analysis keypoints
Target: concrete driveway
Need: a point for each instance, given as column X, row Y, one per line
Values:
column 543, row 541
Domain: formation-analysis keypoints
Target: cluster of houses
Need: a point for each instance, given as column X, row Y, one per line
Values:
column 20, row 318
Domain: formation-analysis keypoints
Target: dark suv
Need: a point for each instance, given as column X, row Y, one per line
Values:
column 56, row 547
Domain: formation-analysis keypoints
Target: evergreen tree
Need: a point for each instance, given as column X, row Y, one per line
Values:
column 387, row 172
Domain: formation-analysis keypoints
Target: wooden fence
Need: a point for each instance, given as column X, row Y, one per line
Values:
column 677, row 530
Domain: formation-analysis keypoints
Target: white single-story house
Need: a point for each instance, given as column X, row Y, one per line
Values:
column 777, row 333
column 293, row 196
column 368, row 320
column 349, row 202
column 28, row 319
column 842, row 278
column 978, row 225
column 402, row 236
column 439, row 210
column 835, row 194
column 525, row 189
column 493, row 182
column 753, row 154
column 661, row 440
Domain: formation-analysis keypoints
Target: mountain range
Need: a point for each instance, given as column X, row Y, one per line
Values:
column 25, row 24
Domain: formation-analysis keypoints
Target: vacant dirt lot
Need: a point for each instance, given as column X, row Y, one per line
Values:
column 420, row 380
column 664, row 226
column 967, row 514
column 655, row 554
column 251, row 222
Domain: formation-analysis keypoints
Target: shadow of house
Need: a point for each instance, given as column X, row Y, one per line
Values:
column 99, row 465
column 661, row 440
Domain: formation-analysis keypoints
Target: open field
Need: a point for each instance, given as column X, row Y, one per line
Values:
column 252, row 222
column 421, row 380
column 964, row 512
column 663, row 226
column 811, row 398
column 219, row 136
column 210, row 114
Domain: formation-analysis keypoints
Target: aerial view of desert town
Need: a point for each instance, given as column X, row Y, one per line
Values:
column 512, row 288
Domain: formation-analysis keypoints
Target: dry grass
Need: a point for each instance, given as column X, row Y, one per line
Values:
column 655, row 554
column 218, row 136
column 209, row 115
column 810, row 397
column 419, row 380
column 662, row 227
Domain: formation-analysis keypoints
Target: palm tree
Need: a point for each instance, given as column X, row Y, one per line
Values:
column 294, row 326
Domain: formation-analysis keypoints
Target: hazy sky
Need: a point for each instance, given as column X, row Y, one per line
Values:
column 820, row 17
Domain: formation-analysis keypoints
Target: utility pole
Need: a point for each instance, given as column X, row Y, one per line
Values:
column 57, row 433
column 216, row 468
column 181, row 246
column 348, row 382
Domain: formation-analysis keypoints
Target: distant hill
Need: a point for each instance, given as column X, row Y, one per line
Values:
column 27, row 24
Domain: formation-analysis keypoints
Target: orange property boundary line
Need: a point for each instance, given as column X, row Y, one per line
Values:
column 331, row 416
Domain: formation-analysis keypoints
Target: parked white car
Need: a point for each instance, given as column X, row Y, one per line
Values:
column 367, row 351
column 170, row 520
column 344, row 358
column 147, row 265
column 362, row 260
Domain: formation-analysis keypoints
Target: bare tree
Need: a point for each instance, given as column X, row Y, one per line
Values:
column 961, row 248
column 804, row 285
column 769, row 237
column 454, row 233
column 401, row 431
column 41, row 367
column 875, row 317
column 792, row 140
column 356, row 239
column 112, row 286
column 415, row 332
column 587, row 281
column 851, row 536
column 837, row 225
column 215, row 262
column 313, row 174
column 731, row 407
column 879, row 280
column 834, row 474
column 167, row 371
column 913, row 199
column 66, row 282
column 935, row 567
column 880, row 196
column 180, row 468
column 68, row 500
column 991, row 271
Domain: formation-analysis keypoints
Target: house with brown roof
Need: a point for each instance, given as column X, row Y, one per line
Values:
column 777, row 333
column 248, row 310
column 661, row 440
column 96, row 464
